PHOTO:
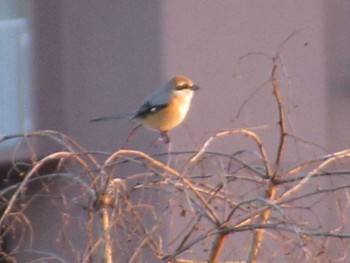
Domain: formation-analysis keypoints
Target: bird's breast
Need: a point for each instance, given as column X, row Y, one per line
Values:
column 170, row 116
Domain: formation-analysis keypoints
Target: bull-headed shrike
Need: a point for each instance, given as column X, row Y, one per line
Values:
column 165, row 108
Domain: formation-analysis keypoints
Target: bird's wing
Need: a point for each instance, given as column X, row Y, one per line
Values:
column 156, row 101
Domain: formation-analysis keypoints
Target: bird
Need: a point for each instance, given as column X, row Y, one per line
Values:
column 164, row 109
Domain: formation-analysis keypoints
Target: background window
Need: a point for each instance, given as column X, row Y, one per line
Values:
column 14, row 67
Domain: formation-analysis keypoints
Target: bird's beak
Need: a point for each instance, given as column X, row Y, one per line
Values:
column 194, row 87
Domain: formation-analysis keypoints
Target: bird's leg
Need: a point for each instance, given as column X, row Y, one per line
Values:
column 165, row 136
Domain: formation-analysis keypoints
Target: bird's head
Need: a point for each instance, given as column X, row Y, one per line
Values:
column 181, row 84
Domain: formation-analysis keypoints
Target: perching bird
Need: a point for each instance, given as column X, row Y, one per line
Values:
column 165, row 108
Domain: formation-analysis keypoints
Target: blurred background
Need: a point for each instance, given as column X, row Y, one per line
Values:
column 65, row 62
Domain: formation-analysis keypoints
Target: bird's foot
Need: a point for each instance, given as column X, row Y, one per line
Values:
column 165, row 137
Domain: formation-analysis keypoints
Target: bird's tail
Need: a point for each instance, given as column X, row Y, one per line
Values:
column 112, row 117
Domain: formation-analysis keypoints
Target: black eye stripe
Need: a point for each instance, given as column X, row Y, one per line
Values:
column 182, row 86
